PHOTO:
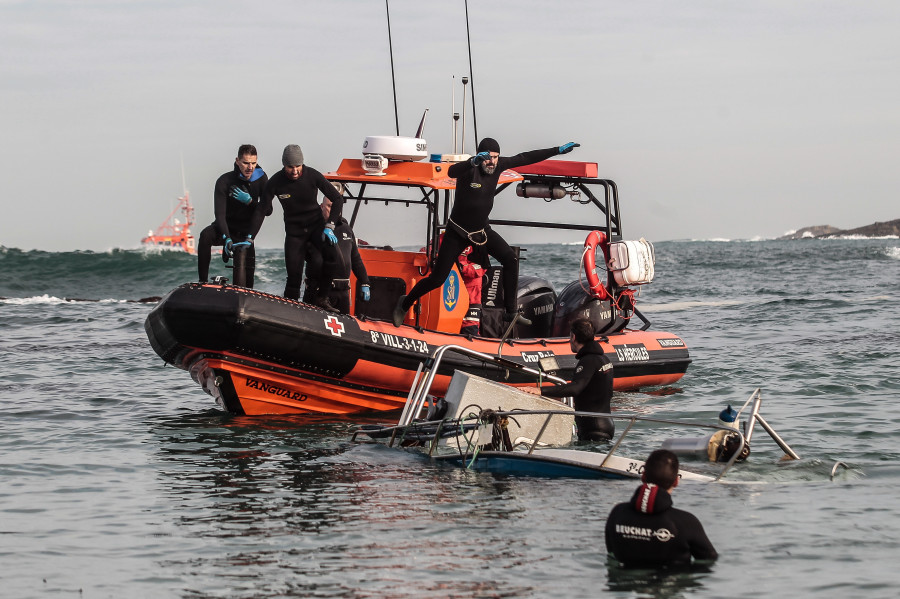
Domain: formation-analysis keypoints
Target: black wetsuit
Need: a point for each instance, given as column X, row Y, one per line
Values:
column 648, row 532
column 348, row 259
column 592, row 389
column 234, row 219
column 303, row 222
column 471, row 210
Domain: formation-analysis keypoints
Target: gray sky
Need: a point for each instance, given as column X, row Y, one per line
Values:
column 717, row 119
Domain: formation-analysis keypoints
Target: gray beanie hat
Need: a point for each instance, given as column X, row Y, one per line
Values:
column 292, row 156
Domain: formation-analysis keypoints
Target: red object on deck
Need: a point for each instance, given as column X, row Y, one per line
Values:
column 560, row 168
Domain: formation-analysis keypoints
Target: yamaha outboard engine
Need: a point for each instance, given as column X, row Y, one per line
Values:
column 574, row 303
column 535, row 299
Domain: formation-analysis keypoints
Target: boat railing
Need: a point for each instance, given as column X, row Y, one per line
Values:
column 436, row 430
column 427, row 370
column 632, row 419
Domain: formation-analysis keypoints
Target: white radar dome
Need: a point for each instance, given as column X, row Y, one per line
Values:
column 394, row 147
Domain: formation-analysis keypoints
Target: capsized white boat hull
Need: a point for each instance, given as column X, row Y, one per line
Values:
column 574, row 463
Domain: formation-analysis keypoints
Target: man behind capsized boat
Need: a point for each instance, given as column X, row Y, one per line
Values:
column 647, row 532
column 592, row 384
column 239, row 213
column 476, row 183
column 295, row 187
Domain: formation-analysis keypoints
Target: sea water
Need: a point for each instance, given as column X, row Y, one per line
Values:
column 120, row 478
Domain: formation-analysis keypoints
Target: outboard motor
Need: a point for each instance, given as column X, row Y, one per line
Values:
column 535, row 299
column 574, row 303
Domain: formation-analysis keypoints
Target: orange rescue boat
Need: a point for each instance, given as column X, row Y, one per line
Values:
column 258, row 353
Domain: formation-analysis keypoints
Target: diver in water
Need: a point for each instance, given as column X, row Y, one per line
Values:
column 647, row 532
column 239, row 214
column 592, row 385
column 295, row 186
column 476, row 184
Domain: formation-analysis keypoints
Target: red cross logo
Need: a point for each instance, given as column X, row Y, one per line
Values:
column 334, row 325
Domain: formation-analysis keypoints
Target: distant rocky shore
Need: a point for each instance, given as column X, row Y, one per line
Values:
column 891, row 227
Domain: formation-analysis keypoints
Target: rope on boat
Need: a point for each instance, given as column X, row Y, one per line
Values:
column 470, row 446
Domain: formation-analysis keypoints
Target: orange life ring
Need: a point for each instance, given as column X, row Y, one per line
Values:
column 596, row 286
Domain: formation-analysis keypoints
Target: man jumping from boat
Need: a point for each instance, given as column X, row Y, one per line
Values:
column 295, row 187
column 476, row 184
column 239, row 213
column 647, row 532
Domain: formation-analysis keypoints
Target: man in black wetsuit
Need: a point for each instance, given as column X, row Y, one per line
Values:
column 239, row 213
column 648, row 532
column 476, row 183
column 349, row 261
column 591, row 386
column 295, row 186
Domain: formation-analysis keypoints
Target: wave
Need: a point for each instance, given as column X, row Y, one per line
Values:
column 117, row 274
column 687, row 305
column 53, row 300
column 129, row 275
column 858, row 237
column 717, row 240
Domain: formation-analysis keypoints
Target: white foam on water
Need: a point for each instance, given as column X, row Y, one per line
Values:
column 50, row 300
column 681, row 306
column 860, row 237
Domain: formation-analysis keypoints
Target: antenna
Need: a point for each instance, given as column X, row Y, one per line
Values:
column 421, row 128
column 469, row 41
column 391, row 50
column 462, row 144
column 455, row 115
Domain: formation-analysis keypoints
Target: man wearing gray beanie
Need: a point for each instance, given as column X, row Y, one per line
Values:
column 296, row 186
column 292, row 155
column 476, row 184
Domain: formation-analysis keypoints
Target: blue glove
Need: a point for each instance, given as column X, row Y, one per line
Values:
column 479, row 158
column 566, row 148
column 246, row 243
column 366, row 293
column 240, row 195
column 226, row 248
column 328, row 235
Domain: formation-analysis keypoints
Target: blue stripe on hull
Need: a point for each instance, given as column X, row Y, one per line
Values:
column 523, row 464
